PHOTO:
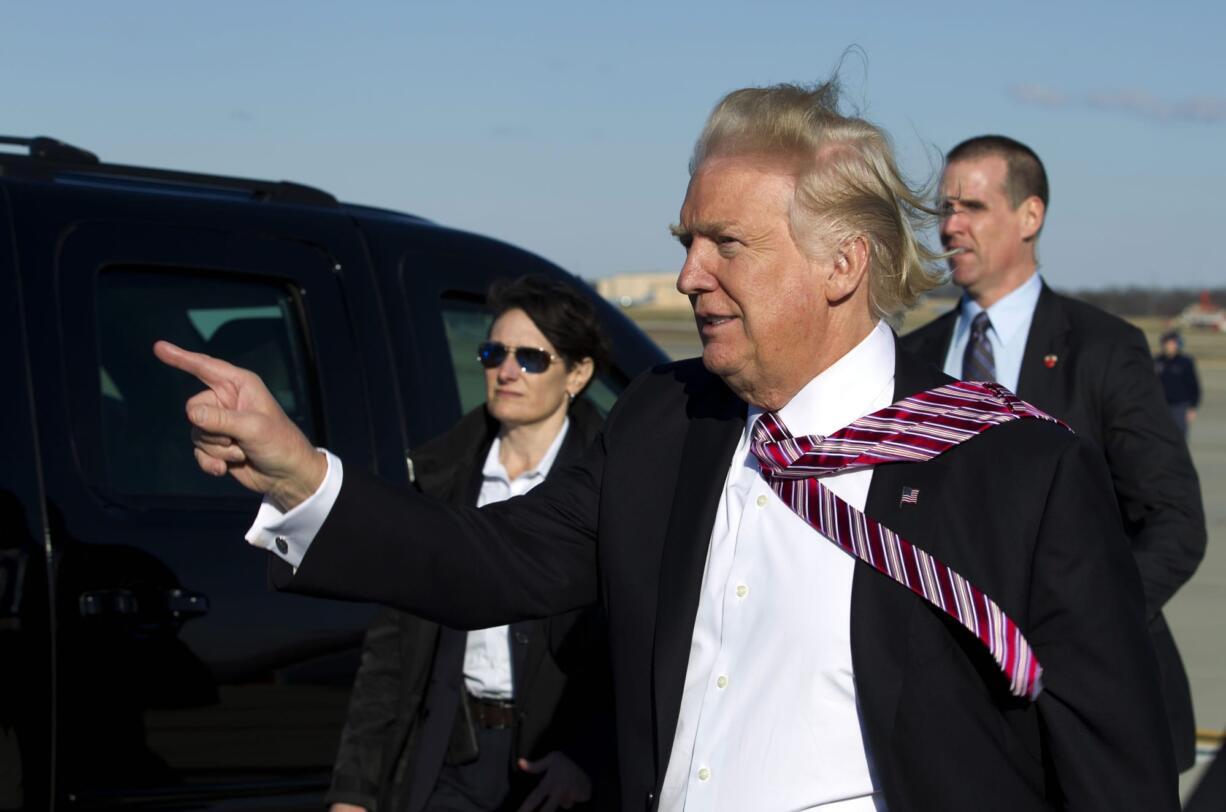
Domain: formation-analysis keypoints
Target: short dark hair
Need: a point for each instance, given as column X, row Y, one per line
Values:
column 564, row 315
column 1025, row 176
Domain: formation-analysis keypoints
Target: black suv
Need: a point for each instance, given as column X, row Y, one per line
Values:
column 143, row 661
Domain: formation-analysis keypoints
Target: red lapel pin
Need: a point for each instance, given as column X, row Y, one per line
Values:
column 1049, row 361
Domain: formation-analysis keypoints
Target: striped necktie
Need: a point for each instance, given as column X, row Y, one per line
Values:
column 914, row 429
column 978, row 361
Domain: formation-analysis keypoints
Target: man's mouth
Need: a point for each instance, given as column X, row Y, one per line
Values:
column 711, row 321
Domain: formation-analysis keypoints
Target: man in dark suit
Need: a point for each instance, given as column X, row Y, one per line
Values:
column 1074, row 361
column 755, row 664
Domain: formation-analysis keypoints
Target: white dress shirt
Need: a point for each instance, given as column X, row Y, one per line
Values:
column 1010, row 318
column 487, row 654
column 769, row 718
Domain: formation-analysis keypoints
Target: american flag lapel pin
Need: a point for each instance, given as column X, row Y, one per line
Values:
column 910, row 496
column 1049, row 361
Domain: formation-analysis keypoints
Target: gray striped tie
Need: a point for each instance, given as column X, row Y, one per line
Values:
column 978, row 363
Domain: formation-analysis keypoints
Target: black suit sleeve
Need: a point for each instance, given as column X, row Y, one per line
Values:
column 468, row 568
column 1100, row 710
column 372, row 717
column 584, row 717
column 1155, row 481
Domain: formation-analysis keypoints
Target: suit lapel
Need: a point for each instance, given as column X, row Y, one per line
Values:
column 1047, row 339
column 716, row 420
column 880, row 608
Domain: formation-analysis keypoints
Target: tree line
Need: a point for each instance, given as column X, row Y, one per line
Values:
column 1127, row 301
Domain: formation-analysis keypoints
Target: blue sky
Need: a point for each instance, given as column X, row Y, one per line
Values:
column 565, row 127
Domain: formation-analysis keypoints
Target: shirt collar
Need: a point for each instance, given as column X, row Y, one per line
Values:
column 1010, row 315
column 843, row 392
column 493, row 468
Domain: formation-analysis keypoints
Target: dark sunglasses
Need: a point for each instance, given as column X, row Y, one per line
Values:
column 491, row 354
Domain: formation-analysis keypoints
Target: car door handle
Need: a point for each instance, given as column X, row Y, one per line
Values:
column 103, row 602
column 181, row 604
column 186, row 604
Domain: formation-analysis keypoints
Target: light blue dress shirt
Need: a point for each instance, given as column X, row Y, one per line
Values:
column 1010, row 318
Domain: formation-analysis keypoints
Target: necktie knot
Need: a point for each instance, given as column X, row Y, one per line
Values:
column 776, row 448
column 978, row 361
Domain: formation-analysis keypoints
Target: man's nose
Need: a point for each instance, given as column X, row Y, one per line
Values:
column 951, row 223
column 695, row 276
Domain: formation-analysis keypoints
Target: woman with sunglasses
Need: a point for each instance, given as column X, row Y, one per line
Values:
column 509, row 718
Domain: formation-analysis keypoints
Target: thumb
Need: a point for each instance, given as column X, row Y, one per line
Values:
column 534, row 767
column 216, row 419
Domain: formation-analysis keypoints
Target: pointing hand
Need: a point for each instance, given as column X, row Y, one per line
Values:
column 239, row 428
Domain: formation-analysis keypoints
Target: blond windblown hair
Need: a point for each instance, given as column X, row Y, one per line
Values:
column 848, row 183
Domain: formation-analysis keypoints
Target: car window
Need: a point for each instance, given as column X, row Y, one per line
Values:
column 467, row 324
column 247, row 321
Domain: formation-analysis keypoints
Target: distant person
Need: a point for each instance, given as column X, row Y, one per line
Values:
column 1179, row 382
column 444, row 720
column 1072, row 360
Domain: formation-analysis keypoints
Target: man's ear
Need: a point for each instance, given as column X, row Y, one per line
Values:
column 849, row 270
column 1033, row 211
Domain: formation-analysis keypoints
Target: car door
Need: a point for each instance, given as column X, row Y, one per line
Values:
column 25, row 627
column 180, row 677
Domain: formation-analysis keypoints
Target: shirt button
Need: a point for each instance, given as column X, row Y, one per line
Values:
column 722, row 682
column 762, row 501
column 742, row 590
column 704, row 774
column 282, row 545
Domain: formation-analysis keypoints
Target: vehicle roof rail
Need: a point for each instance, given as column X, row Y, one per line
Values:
column 42, row 146
column 53, row 158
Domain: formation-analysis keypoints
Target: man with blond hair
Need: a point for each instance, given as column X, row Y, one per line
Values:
column 937, row 620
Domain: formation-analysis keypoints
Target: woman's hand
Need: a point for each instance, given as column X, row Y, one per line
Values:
column 563, row 783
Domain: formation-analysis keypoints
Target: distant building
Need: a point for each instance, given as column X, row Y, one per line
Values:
column 644, row 291
column 1204, row 315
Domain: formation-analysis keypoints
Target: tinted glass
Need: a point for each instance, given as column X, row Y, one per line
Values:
column 467, row 325
column 247, row 321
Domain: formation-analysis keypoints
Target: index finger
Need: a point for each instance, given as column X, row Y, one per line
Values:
column 211, row 371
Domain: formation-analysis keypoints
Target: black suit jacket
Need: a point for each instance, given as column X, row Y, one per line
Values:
column 1024, row 511
column 406, row 714
column 1102, row 383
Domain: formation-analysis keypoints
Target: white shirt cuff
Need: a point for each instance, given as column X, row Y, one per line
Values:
column 289, row 535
